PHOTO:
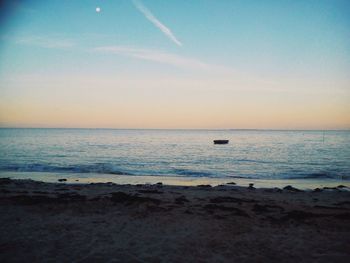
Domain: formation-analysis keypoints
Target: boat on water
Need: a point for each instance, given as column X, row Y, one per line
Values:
column 221, row 141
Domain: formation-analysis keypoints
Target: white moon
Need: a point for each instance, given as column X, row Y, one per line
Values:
column 98, row 9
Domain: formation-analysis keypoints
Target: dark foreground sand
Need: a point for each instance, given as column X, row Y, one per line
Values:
column 43, row 222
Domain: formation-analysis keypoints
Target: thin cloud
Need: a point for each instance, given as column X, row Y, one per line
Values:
column 157, row 56
column 219, row 74
column 147, row 13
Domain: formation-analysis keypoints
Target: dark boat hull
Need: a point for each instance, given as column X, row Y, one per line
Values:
column 221, row 141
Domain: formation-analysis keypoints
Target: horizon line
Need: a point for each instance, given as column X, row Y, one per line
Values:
column 189, row 129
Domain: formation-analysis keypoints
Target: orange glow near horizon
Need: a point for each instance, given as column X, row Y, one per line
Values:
column 205, row 115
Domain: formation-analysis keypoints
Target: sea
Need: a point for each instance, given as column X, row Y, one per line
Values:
column 266, row 158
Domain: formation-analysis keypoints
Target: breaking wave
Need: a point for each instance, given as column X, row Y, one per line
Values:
column 109, row 168
column 99, row 168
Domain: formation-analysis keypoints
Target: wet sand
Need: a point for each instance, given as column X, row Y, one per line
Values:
column 58, row 222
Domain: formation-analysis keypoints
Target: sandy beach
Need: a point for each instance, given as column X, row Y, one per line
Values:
column 59, row 222
column 175, row 131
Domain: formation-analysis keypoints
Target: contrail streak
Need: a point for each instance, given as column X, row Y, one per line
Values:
column 147, row 13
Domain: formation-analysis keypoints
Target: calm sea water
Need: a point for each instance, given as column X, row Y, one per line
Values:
column 252, row 154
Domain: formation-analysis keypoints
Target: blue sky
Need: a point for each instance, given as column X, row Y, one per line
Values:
column 258, row 64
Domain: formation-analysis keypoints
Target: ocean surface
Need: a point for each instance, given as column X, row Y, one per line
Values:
column 106, row 154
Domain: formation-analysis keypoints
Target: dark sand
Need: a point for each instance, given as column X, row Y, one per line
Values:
column 46, row 222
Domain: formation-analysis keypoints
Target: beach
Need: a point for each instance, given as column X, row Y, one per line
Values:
column 174, row 131
column 107, row 222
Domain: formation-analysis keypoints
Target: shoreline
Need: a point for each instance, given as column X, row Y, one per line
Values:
column 163, row 223
column 87, row 178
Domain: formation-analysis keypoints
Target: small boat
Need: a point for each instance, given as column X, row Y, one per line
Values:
column 221, row 141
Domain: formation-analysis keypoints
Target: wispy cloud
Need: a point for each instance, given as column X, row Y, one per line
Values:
column 156, row 56
column 148, row 14
column 45, row 42
column 226, row 76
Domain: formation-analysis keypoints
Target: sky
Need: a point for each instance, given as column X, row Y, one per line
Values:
column 206, row 64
